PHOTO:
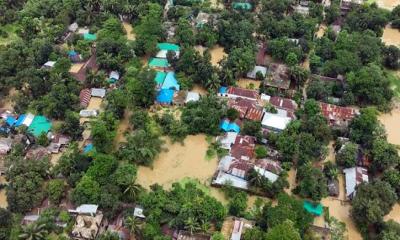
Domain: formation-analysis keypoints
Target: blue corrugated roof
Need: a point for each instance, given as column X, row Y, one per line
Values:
column 223, row 89
column 20, row 120
column 229, row 126
column 165, row 96
column 10, row 120
column 72, row 53
column 88, row 148
column 170, row 82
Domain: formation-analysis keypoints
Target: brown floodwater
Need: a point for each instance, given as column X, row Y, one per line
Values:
column 75, row 67
column 217, row 54
column 321, row 30
column 3, row 196
column 246, row 83
column 130, row 35
column 180, row 161
column 122, row 128
column 394, row 214
column 391, row 36
column 292, row 180
column 388, row 4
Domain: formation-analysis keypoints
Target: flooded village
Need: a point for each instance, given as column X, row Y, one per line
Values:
column 205, row 120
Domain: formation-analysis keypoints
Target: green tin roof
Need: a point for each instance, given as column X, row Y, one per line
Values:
column 39, row 125
column 315, row 209
column 158, row 62
column 160, row 77
column 168, row 47
column 242, row 5
column 89, row 37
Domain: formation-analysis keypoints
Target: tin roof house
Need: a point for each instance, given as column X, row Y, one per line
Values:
column 354, row 177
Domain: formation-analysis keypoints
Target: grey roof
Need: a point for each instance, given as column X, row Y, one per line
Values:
column 192, row 97
column 98, row 92
column 138, row 212
column 88, row 113
column 253, row 73
column 114, row 75
column 87, row 209
column 5, row 145
column 354, row 177
column 73, row 27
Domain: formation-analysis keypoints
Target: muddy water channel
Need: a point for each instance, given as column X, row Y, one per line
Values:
column 3, row 197
column 391, row 36
column 217, row 54
column 388, row 4
column 130, row 35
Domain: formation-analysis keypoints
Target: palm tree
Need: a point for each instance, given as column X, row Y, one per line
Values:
column 33, row 232
column 192, row 225
column 255, row 179
column 134, row 225
column 133, row 189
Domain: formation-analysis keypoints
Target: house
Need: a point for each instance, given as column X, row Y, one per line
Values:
column 192, row 97
column 235, row 92
column 164, row 48
column 57, row 142
column 239, row 227
column 285, row 106
column 346, row 5
column 79, row 71
column 275, row 122
column 228, row 126
column 83, row 30
column 242, row 6
column 235, row 167
column 24, row 119
column 279, row 77
column 354, row 176
column 98, row 92
column 201, row 19
column 74, row 56
column 89, row 37
column 227, row 140
column 138, row 212
column 315, row 209
column 88, row 222
column 243, row 148
column 29, row 219
column 73, row 27
column 223, row 178
column 184, row 235
column 333, row 188
column 269, row 169
column 165, row 96
column 262, row 71
column 37, row 153
column 242, row 105
column 113, row 77
column 254, row 114
column 49, row 65
column 160, row 77
column 336, row 115
column 87, row 113
column 5, row 145
column 39, row 125
column 84, row 97
column 160, row 63
column 170, row 82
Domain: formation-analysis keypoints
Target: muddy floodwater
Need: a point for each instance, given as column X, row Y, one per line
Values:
column 3, row 197
column 130, row 35
column 217, row 54
column 178, row 162
column 321, row 30
column 248, row 83
column 391, row 36
column 388, row 4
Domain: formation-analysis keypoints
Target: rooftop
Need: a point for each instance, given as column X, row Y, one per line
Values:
column 275, row 122
column 279, row 76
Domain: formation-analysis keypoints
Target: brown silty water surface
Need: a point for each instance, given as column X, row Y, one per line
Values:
column 3, row 196
column 391, row 36
column 217, row 54
column 130, row 35
column 388, row 4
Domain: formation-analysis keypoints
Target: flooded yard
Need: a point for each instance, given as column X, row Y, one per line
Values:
column 391, row 123
column 122, row 128
column 321, row 30
column 391, row 36
column 248, row 83
column 217, row 54
column 178, row 162
column 388, row 4
column 3, row 196
column 130, row 35
column 394, row 214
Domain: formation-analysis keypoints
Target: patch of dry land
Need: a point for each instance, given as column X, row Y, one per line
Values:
column 391, row 36
column 388, row 4
column 217, row 54
column 248, row 83
column 178, row 162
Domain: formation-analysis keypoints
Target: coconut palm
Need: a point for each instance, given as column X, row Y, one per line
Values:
column 192, row 225
column 33, row 232
column 134, row 225
column 133, row 189
column 255, row 179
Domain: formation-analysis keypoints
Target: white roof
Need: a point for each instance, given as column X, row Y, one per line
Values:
column 49, row 64
column 163, row 54
column 114, row 75
column 138, row 212
column 87, row 209
column 267, row 174
column 354, row 177
column 31, row 218
column 83, row 30
column 5, row 145
column 98, row 92
column 73, row 27
column 28, row 119
column 275, row 121
column 237, row 230
column 253, row 73
column 225, row 178
column 192, row 97
column 225, row 163
column 265, row 97
column 88, row 113
column 227, row 139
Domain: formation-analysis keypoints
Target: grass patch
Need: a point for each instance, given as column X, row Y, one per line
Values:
column 394, row 82
column 196, row 182
column 10, row 30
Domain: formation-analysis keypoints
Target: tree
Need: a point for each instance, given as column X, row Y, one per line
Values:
column 102, row 168
column 232, row 114
column 347, row 155
column 134, row 225
column 384, row 154
column 108, row 236
column 299, row 75
column 72, row 126
column 391, row 231
column 254, row 233
column 283, row 231
column 117, row 102
column 312, row 183
column 55, row 190
column 33, row 232
column 392, row 176
column 141, row 88
column 5, row 223
column 42, row 140
column 142, row 147
column 237, row 203
column 372, row 201
column 103, row 132
column 252, row 128
column 391, row 57
column 367, row 17
column 261, row 152
column 132, row 190
column 86, row 191
column 364, row 127
column 124, row 175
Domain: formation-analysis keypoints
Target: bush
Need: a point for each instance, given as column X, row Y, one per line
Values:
column 55, row 190
column 261, row 152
